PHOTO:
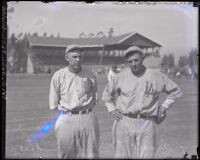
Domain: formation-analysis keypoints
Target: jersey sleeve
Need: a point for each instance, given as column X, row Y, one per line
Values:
column 54, row 93
column 109, row 94
column 109, row 76
column 172, row 90
column 167, row 85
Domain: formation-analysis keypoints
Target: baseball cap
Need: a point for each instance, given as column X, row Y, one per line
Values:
column 133, row 49
column 73, row 47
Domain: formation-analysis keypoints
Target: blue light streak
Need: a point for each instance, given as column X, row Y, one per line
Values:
column 44, row 129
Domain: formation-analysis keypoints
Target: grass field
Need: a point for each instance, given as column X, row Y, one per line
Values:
column 27, row 111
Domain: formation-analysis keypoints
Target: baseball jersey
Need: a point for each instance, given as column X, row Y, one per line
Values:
column 69, row 90
column 139, row 95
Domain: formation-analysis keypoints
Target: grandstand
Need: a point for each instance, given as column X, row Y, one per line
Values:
column 47, row 53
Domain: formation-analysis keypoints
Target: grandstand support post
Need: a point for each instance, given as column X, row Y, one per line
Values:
column 101, row 56
column 30, row 65
column 83, row 55
column 146, row 50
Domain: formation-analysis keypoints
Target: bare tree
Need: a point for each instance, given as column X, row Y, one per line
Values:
column 100, row 34
column 183, row 61
column 110, row 32
column 91, row 35
column 82, row 35
column 35, row 34
column 45, row 34
column 51, row 36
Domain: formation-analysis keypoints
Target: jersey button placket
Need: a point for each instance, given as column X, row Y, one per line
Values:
column 77, row 90
column 78, row 98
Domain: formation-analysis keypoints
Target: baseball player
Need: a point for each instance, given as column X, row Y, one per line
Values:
column 137, row 111
column 73, row 91
column 112, row 72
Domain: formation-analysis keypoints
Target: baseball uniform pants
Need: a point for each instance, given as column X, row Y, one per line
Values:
column 77, row 135
column 135, row 138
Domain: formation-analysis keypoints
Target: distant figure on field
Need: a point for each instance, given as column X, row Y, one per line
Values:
column 112, row 72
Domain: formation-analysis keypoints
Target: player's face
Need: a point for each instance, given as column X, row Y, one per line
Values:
column 135, row 62
column 74, row 59
column 114, row 68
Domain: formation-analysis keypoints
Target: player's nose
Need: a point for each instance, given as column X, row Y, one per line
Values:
column 77, row 59
column 133, row 63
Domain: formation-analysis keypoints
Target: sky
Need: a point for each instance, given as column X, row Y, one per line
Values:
column 173, row 25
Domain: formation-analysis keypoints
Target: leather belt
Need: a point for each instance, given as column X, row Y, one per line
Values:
column 130, row 115
column 77, row 111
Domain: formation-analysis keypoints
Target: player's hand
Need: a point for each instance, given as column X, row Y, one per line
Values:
column 116, row 114
column 162, row 113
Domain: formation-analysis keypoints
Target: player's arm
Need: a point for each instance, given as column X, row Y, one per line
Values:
column 173, row 92
column 109, row 99
column 109, row 95
column 54, row 95
column 172, row 96
column 109, row 76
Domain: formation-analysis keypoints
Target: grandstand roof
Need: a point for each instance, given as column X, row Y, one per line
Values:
column 123, row 41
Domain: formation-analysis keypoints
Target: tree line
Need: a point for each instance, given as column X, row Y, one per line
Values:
column 184, row 62
column 98, row 34
column 16, row 54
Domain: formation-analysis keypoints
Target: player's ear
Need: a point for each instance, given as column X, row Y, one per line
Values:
column 143, row 57
column 66, row 57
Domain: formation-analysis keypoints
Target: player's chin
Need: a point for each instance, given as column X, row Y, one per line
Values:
column 135, row 70
column 77, row 66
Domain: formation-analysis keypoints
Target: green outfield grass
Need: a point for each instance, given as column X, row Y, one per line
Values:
column 27, row 110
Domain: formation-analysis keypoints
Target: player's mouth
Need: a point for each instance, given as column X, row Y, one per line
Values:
column 135, row 68
column 76, row 65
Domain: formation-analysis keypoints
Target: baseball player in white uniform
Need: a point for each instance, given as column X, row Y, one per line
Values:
column 137, row 111
column 73, row 90
column 112, row 72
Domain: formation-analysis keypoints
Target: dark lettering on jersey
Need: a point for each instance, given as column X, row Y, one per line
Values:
column 149, row 90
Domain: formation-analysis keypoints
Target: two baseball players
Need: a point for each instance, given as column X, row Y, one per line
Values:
column 137, row 111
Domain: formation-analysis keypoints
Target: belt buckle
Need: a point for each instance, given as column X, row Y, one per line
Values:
column 62, row 112
column 138, row 116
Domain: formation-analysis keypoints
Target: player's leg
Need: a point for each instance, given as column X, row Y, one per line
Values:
column 67, row 136
column 89, row 134
column 123, row 138
column 147, row 139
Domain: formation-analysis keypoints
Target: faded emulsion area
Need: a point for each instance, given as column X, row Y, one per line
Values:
column 3, row 73
column 63, row 62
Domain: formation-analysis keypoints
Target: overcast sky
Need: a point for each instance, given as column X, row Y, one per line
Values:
column 174, row 26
